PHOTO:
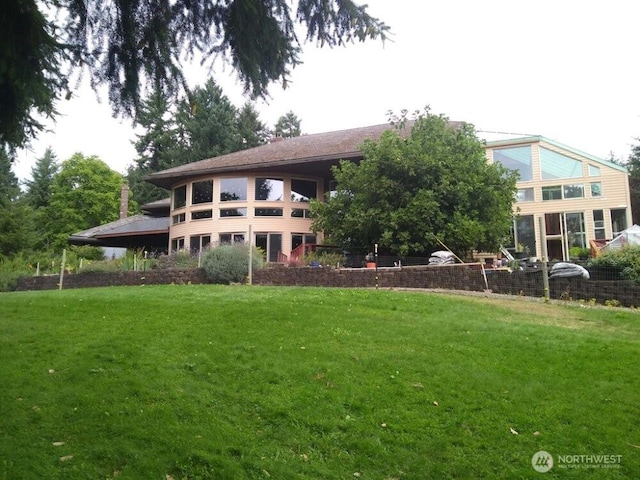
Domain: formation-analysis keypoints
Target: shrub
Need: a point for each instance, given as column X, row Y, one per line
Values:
column 180, row 259
column 229, row 263
column 323, row 258
column 625, row 261
column 579, row 252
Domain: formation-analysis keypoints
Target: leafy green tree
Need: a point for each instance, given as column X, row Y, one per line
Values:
column 86, row 193
column 15, row 215
column 414, row 189
column 129, row 44
column 43, row 172
column 288, row 126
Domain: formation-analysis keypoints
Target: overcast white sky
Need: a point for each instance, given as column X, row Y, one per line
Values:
column 567, row 70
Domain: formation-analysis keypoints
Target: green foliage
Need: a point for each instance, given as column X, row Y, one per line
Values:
column 85, row 194
column 579, row 252
column 323, row 258
column 16, row 216
column 180, row 259
column 31, row 79
column 252, row 130
column 625, row 261
column 413, row 187
column 204, row 125
column 130, row 44
column 288, row 126
column 39, row 188
column 229, row 263
column 207, row 125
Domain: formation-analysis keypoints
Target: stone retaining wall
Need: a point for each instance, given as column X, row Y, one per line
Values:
column 107, row 279
column 449, row 277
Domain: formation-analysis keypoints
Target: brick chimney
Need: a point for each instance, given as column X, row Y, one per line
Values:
column 124, row 201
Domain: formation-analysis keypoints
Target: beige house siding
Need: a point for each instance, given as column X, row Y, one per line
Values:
column 311, row 157
column 613, row 180
column 286, row 225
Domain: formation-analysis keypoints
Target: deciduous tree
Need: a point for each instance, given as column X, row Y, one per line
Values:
column 414, row 189
column 85, row 194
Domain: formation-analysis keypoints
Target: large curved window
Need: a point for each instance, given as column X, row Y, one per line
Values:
column 179, row 197
column 202, row 192
column 269, row 189
column 233, row 189
column 303, row 190
column 516, row 158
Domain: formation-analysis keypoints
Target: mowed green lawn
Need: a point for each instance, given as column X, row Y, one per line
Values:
column 217, row 382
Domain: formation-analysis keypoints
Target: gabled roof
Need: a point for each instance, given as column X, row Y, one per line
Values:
column 541, row 139
column 308, row 154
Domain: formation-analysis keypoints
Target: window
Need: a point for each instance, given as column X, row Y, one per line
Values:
column 594, row 171
column 516, row 158
column 179, row 218
column 596, row 189
column 232, row 238
column 233, row 189
column 573, row 191
column 271, row 243
column 179, row 197
column 598, row 225
column 202, row 192
column 269, row 189
column 525, row 234
column 199, row 242
column 555, row 165
column 298, row 239
column 233, row 212
column 618, row 221
column 552, row 193
column 177, row 244
column 524, row 195
column 558, row 192
column 202, row 214
column 300, row 213
column 303, row 190
column 268, row 212
column 576, row 235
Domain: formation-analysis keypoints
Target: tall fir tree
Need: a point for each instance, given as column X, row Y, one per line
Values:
column 38, row 193
column 288, row 126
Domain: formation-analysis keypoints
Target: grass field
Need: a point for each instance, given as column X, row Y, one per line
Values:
column 216, row 382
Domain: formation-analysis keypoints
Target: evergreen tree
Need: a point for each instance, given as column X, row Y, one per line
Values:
column 43, row 172
column 288, row 126
column 207, row 125
column 132, row 44
column 15, row 215
column 252, row 131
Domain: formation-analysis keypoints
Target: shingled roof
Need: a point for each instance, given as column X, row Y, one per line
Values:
column 308, row 154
